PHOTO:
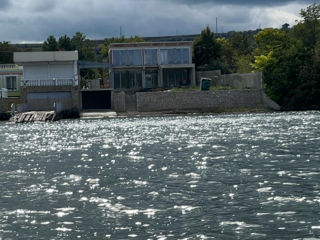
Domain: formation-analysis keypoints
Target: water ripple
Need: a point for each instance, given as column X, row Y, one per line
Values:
column 230, row 176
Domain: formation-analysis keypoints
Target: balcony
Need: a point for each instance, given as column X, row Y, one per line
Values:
column 54, row 82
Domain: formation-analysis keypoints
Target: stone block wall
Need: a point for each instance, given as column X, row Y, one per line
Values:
column 199, row 101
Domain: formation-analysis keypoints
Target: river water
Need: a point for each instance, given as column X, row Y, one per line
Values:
column 230, row 176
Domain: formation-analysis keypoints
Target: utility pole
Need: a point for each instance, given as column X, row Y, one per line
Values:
column 216, row 25
column 120, row 31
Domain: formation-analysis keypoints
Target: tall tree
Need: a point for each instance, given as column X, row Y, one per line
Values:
column 84, row 46
column 6, row 52
column 311, row 17
column 50, row 44
column 206, row 48
column 64, row 43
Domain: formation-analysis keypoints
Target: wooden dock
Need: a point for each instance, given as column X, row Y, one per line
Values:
column 34, row 116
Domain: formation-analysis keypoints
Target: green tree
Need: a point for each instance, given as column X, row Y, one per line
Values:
column 206, row 50
column 6, row 52
column 276, row 56
column 227, row 56
column 311, row 17
column 50, row 44
column 244, row 63
column 85, row 47
column 64, row 43
column 242, row 43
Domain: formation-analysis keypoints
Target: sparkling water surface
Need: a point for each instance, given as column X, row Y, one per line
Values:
column 230, row 176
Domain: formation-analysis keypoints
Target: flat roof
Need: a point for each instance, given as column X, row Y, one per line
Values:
column 58, row 56
column 151, row 44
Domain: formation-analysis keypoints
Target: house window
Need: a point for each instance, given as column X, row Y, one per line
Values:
column 12, row 83
column 176, row 77
column 128, row 79
column 151, row 79
column 174, row 56
column 127, row 57
column 150, row 56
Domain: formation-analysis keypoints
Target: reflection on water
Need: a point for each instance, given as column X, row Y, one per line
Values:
column 239, row 176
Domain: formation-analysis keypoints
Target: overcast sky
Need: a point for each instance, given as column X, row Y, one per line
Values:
column 35, row 20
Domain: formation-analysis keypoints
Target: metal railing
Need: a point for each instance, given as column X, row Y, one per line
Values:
column 49, row 82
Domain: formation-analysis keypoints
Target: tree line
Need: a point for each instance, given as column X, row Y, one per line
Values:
column 288, row 57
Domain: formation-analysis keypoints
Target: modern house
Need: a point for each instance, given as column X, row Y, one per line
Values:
column 10, row 80
column 48, row 78
column 149, row 65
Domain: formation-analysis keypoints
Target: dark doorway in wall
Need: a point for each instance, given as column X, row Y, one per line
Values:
column 97, row 99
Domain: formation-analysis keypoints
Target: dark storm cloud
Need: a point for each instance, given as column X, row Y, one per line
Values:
column 35, row 20
column 4, row 4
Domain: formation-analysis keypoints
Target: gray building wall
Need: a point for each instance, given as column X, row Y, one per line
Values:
column 235, row 80
column 45, row 104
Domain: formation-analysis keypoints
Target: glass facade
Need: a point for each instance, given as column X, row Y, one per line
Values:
column 151, row 57
column 127, row 79
column 176, row 77
column 138, row 68
column 175, row 56
column 127, row 57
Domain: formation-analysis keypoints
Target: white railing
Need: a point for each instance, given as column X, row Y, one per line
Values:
column 8, row 66
column 49, row 82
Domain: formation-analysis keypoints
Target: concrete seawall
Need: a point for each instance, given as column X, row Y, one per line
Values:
column 211, row 101
column 195, row 101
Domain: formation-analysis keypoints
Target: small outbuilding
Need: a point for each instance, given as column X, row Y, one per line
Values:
column 49, row 78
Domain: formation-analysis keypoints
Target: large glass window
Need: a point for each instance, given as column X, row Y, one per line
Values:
column 127, row 79
column 150, row 57
column 12, row 83
column 176, row 77
column 175, row 56
column 127, row 57
column 151, row 79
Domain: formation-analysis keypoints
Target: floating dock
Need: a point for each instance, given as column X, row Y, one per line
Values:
column 34, row 116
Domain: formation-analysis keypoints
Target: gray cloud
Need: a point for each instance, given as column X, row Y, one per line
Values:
column 35, row 20
column 4, row 4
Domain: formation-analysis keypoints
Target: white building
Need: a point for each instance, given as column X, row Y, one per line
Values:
column 49, row 79
column 48, row 68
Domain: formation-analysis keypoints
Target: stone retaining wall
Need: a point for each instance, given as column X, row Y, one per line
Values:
column 199, row 101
